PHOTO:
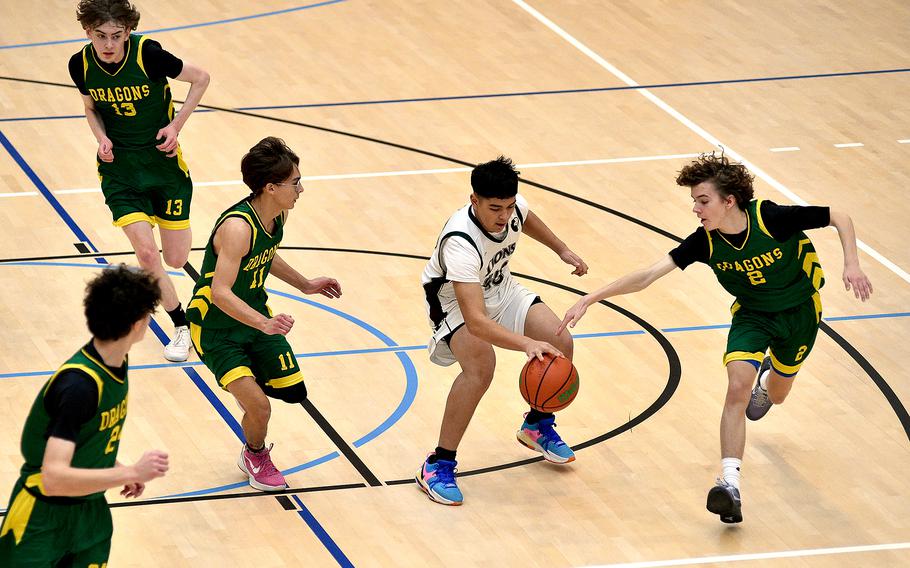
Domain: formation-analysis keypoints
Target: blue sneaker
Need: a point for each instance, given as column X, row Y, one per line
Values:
column 542, row 437
column 437, row 480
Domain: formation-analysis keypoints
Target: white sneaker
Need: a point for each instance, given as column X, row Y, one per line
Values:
column 178, row 350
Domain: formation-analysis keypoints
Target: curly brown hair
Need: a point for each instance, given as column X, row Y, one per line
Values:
column 730, row 178
column 94, row 13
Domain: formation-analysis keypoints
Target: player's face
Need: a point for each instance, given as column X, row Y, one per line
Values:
column 288, row 191
column 109, row 41
column 710, row 206
column 493, row 213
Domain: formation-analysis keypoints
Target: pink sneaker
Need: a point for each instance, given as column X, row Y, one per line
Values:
column 264, row 476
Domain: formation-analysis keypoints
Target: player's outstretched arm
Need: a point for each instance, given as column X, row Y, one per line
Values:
column 631, row 282
column 854, row 277
column 60, row 479
column 328, row 287
column 198, row 79
column 470, row 301
column 535, row 228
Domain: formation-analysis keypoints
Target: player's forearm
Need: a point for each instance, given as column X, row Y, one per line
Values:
column 197, row 89
column 66, row 481
column 229, row 303
column 632, row 282
column 95, row 124
column 847, row 235
column 538, row 230
column 287, row 273
column 488, row 330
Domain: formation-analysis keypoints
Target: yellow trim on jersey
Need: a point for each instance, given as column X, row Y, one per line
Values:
column 85, row 63
column 205, row 291
column 746, row 240
column 169, row 225
column 180, row 161
column 233, row 375
column 209, row 274
column 284, row 382
column 710, row 244
column 139, row 55
column 735, row 308
column 196, row 336
column 20, row 511
column 201, row 305
column 103, row 366
column 799, row 251
column 788, row 369
column 261, row 224
column 757, row 356
column 87, row 370
column 134, row 217
column 817, row 300
column 249, row 220
column 761, row 222
column 126, row 57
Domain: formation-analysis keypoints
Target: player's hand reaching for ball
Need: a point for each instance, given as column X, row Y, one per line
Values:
column 278, row 325
column 574, row 314
column 105, row 149
column 537, row 349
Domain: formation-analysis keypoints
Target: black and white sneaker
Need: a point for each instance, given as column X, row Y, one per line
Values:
column 760, row 403
column 724, row 500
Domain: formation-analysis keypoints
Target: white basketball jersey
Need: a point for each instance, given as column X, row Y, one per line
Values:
column 466, row 252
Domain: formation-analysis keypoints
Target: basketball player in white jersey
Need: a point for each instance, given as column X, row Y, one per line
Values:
column 474, row 303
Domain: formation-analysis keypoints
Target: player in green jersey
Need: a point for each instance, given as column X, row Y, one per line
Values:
column 58, row 515
column 123, row 79
column 759, row 253
column 232, row 328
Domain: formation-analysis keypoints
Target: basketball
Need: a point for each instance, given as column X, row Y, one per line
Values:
column 549, row 385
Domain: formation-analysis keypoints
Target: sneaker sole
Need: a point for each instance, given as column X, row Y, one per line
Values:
column 432, row 496
column 552, row 458
column 720, row 503
column 255, row 484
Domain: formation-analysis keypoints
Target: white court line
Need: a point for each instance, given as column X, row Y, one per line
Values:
column 785, row 149
column 905, row 141
column 696, row 129
column 759, row 556
column 849, row 145
column 394, row 173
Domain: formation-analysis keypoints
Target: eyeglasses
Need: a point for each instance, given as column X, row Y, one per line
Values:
column 297, row 185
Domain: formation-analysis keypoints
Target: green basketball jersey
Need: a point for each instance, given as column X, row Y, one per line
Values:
column 254, row 268
column 98, row 439
column 765, row 274
column 132, row 106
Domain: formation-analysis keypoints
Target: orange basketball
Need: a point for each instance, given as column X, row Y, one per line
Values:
column 549, row 385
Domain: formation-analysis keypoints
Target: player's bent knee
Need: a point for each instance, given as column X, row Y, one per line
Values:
column 148, row 256
column 176, row 259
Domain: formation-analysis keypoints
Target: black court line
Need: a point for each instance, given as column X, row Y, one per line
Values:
column 286, row 503
column 339, row 442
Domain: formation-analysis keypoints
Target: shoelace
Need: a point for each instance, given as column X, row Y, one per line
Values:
column 265, row 461
column 445, row 473
column 545, row 427
column 182, row 337
column 761, row 398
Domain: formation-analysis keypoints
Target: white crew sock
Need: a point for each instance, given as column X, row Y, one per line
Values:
column 730, row 470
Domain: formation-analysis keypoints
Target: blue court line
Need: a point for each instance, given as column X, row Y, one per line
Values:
column 74, row 227
column 194, row 376
column 75, row 264
column 321, row 534
column 521, row 93
column 397, row 348
column 187, row 26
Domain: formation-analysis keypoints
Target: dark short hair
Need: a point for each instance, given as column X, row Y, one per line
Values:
column 94, row 13
column 269, row 161
column 730, row 178
column 495, row 179
column 117, row 298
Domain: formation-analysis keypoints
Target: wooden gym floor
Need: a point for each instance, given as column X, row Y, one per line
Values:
column 388, row 103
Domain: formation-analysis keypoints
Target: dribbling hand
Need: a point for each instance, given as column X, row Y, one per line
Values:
column 539, row 348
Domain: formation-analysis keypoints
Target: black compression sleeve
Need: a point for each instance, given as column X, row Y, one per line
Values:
column 784, row 221
column 693, row 249
column 76, row 73
column 71, row 401
column 158, row 62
